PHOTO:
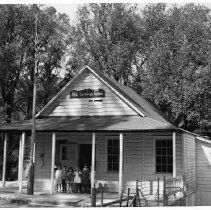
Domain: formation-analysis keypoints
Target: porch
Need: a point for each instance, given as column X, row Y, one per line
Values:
column 11, row 193
column 133, row 158
column 150, row 193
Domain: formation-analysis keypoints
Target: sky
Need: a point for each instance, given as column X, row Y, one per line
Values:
column 69, row 9
column 70, row 6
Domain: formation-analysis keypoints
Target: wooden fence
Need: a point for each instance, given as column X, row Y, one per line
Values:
column 154, row 192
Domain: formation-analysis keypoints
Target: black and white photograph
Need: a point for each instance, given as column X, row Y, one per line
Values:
column 105, row 104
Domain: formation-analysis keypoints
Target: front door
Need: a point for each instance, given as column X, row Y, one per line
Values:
column 68, row 155
column 85, row 155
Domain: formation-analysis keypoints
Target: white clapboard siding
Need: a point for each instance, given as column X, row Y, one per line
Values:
column 110, row 105
column 43, row 146
column 203, row 173
column 43, row 167
column 139, row 157
column 189, row 163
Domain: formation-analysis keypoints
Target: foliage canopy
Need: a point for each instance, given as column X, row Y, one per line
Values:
column 162, row 51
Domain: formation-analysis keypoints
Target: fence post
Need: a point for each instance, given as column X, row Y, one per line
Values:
column 128, row 196
column 184, row 185
column 137, row 194
column 93, row 201
column 151, row 187
column 158, row 191
column 101, row 196
column 120, row 200
column 164, row 191
column 134, row 201
column 184, row 189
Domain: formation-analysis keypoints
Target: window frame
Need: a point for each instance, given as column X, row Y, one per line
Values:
column 107, row 154
column 63, row 146
column 154, row 155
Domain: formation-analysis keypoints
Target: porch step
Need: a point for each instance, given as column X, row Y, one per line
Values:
column 46, row 206
column 178, row 202
column 47, row 203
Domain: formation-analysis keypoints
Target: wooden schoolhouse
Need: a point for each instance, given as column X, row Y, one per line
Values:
column 118, row 134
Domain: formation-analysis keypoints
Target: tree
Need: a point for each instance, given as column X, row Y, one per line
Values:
column 12, row 53
column 165, row 50
column 17, row 59
column 106, row 37
column 53, row 40
column 176, row 75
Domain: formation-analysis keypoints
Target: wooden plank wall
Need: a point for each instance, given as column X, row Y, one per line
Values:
column 203, row 173
column 43, row 146
column 102, row 174
column 111, row 104
column 142, row 166
column 43, row 165
column 139, row 161
column 189, row 162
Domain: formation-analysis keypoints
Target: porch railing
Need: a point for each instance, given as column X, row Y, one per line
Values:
column 174, row 190
column 161, row 191
column 154, row 192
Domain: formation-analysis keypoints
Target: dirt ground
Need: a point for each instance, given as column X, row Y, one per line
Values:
column 7, row 204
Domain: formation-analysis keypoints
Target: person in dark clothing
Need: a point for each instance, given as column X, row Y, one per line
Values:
column 64, row 175
column 85, row 181
column 70, row 180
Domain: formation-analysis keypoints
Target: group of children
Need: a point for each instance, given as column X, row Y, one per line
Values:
column 71, row 181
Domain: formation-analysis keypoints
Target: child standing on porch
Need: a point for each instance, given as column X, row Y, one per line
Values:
column 85, row 181
column 70, row 180
column 77, row 180
column 64, row 176
column 58, row 178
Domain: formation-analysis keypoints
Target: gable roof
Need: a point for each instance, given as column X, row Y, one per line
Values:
column 148, row 118
column 91, row 123
column 51, row 105
column 55, row 99
column 128, row 95
column 146, row 107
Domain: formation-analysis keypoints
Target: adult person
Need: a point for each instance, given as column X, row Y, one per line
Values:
column 85, row 180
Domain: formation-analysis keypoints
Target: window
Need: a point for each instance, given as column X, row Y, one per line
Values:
column 64, row 152
column 164, row 156
column 113, row 155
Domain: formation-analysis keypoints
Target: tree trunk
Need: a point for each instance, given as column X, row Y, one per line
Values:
column 8, row 112
column 30, row 186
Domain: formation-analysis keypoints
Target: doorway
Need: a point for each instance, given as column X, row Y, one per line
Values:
column 68, row 154
column 85, row 155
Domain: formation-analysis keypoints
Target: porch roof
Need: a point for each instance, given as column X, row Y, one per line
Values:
column 107, row 123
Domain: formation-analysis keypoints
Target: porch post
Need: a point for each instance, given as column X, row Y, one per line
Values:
column 120, row 163
column 21, row 162
column 53, row 161
column 34, row 153
column 19, row 158
column 93, row 190
column 174, row 155
column 4, row 160
column 93, row 161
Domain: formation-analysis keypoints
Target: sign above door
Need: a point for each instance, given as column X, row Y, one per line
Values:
column 87, row 93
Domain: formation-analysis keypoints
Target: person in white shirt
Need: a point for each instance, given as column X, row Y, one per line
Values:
column 77, row 180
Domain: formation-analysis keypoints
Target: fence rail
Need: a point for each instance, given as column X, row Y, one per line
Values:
column 161, row 191
column 154, row 192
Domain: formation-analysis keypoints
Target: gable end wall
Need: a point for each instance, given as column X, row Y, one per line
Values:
column 203, row 173
column 190, row 166
column 110, row 105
